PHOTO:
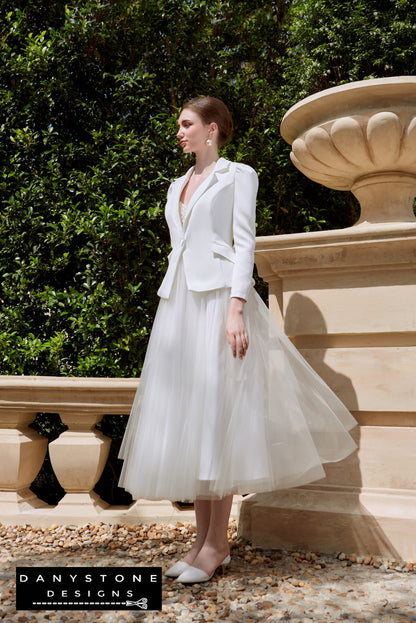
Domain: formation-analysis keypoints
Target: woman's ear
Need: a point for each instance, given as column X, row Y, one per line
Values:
column 214, row 132
column 213, row 128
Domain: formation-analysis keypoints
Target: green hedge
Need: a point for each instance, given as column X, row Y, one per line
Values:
column 89, row 96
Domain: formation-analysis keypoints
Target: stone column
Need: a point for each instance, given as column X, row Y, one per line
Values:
column 347, row 298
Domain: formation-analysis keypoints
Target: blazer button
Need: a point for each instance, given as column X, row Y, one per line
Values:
column 182, row 243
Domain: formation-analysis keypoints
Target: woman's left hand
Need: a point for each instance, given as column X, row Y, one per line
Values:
column 235, row 328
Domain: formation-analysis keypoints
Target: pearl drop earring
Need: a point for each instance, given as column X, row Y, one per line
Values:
column 209, row 142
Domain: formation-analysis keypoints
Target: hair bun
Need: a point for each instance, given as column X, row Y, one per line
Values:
column 211, row 109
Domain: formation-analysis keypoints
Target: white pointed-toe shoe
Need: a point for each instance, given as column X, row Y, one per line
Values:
column 177, row 569
column 191, row 575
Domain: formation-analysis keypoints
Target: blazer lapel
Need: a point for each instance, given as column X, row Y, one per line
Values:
column 206, row 184
column 176, row 195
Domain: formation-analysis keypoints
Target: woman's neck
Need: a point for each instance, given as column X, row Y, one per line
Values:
column 205, row 162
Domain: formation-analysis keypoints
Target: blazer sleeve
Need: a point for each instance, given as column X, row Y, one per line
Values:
column 244, row 228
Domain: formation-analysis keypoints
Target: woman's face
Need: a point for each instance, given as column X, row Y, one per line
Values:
column 192, row 132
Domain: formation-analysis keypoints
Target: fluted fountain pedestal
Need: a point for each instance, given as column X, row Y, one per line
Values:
column 347, row 298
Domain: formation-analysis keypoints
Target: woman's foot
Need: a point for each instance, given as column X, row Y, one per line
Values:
column 193, row 574
column 209, row 558
column 183, row 564
column 176, row 570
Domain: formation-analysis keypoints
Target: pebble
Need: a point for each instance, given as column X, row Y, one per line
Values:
column 258, row 586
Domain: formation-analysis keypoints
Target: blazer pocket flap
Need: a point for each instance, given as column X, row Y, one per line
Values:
column 223, row 249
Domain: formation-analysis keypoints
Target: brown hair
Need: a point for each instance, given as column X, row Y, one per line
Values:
column 211, row 109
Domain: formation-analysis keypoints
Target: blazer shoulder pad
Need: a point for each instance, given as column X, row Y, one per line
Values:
column 240, row 167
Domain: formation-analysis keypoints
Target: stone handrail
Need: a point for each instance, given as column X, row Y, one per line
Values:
column 78, row 456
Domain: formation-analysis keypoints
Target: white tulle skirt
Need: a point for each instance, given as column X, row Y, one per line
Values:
column 204, row 424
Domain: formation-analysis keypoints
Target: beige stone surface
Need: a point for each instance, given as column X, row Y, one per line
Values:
column 378, row 522
column 373, row 467
column 33, row 394
column 369, row 379
column 312, row 309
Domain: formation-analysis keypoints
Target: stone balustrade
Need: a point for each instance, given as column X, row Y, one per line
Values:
column 78, row 456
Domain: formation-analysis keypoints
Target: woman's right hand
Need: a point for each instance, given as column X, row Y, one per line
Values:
column 235, row 328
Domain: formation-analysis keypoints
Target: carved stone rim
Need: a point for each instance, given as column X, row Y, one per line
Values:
column 346, row 100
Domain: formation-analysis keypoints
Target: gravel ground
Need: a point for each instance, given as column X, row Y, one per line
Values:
column 259, row 585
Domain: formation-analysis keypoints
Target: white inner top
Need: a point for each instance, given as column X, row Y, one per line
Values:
column 182, row 211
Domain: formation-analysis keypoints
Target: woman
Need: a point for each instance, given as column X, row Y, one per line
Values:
column 221, row 412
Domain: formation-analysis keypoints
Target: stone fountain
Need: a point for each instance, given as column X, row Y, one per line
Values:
column 347, row 299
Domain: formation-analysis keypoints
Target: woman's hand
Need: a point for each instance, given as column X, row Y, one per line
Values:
column 235, row 328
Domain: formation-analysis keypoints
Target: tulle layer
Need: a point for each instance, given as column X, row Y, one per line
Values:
column 204, row 424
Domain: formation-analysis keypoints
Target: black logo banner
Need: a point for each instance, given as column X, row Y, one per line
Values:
column 88, row 588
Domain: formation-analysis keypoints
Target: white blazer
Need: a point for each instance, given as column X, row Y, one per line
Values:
column 217, row 238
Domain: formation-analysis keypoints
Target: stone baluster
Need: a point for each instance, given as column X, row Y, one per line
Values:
column 78, row 457
column 22, row 452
